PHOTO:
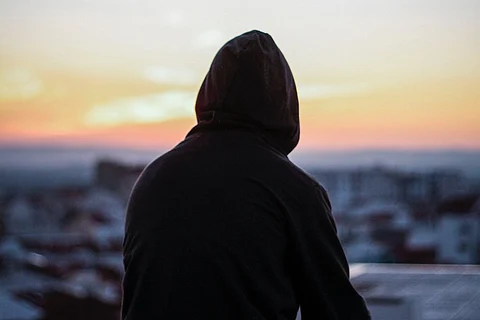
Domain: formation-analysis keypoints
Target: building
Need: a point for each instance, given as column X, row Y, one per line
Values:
column 14, row 309
column 434, row 186
column 349, row 186
column 458, row 230
column 420, row 245
column 22, row 217
column 354, row 185
column 116, row 177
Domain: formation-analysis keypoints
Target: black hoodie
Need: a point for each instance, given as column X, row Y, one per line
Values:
column 224, row 226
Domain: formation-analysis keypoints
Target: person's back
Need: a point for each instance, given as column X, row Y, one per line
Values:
column 224, row 226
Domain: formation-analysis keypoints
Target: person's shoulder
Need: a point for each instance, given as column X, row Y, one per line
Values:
column 298, row 179
column 301, row 175
column 159, row 165
column 165, row 160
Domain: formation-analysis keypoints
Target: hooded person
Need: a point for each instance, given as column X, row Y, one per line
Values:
column 224, row 226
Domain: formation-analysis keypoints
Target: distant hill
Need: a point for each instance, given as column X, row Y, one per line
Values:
column 468, row 161
column 32, row 167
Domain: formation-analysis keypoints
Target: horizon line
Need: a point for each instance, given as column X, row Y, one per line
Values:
column 83, row 146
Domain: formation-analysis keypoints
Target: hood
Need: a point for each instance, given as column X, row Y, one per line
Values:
column 250, row 86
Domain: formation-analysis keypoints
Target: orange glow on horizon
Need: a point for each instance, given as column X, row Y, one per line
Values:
column 365, row 81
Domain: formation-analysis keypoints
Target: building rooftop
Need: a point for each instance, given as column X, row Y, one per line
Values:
column 430, row 292
column 459, row 204
column 12, row 309
column 25, row 280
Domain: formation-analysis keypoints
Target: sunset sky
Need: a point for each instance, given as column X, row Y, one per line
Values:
column 396, row 74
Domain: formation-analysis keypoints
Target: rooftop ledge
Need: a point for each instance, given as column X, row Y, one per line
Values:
column 357, row 269
column 419, row 291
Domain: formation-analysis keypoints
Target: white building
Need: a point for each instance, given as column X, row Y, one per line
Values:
column 421, row 237
column 352, row 185
column 22, row 217
column 458, row 231
column 363, row 219
column 364, row 249
column 346, row 186
column 376, row 183
column 105, row 202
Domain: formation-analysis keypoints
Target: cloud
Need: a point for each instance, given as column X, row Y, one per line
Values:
column 209, row 38
column 144, row 109
column 177, row 104
column 171, row 75
column 19, row 84
column 323, row 91
column 175, row 18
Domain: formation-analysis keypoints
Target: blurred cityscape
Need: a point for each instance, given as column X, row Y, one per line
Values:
column 61, row 247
